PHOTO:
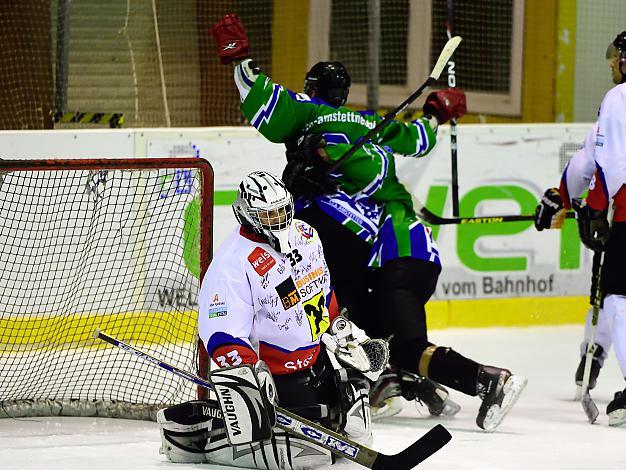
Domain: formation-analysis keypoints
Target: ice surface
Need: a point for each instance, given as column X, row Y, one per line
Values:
column 546, row 430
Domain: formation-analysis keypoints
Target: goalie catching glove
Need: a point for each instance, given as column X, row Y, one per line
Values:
column 353, row 348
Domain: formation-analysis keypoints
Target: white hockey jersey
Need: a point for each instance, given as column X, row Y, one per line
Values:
column 610, row 154
column 580, row 169
column 256, row 302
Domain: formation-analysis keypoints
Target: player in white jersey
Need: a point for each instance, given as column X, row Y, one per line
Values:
column 550, row 213
column 267, row 305
column 606, row 178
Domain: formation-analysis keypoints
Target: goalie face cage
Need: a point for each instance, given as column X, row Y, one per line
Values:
column 119, row 244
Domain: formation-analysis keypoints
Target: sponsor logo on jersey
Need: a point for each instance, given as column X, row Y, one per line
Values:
column 217, row 312
column 310, row 276
column 288, row 293
column 599, row 140
column 317, row 313
column 305, row 230
column 261, row 260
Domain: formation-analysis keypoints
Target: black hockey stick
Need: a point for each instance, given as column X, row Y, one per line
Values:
column 444, row 56
column 453, row 146
column 408, row 458
column 589, row 406
column 433, row 219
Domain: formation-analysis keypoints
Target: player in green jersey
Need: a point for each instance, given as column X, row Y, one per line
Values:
column 374, row 205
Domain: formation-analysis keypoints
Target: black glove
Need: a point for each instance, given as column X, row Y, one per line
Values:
column 307, row 181
column 550, row 212
column 593, row 226
column 305, row 174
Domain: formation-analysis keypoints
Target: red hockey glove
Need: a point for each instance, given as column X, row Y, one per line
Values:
column 446, row 104
column 231, row 41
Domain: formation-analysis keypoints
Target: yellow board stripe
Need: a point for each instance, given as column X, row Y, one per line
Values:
column 521, row 311
column 55, row 331
column 177, row 327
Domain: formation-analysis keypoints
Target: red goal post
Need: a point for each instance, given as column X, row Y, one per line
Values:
column 119, row 244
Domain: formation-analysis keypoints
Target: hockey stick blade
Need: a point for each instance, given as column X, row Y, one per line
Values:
column 590, row 408
column 444, row 57
column 416, row 453
column 343, row 446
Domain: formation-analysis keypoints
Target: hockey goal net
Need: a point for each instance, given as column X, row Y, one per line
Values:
column 118, row 244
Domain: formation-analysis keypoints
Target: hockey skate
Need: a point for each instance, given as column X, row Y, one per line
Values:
column 385, row 394
column 499, row 390
column 596, row 365
column 616, row 410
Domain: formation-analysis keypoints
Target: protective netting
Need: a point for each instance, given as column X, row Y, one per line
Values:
column 116, row 249
column 151, row 63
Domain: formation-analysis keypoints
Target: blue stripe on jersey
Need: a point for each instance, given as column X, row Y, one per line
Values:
column 265, row 112
column 334, row 138
column 422, row 245
column 244, row 77
column 287, row 351
column 303, row 97
column 377, row 182
column 221, row 339
column 423, row 137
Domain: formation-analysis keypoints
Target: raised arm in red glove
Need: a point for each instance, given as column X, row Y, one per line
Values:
column 231, row 41
column 446, row 104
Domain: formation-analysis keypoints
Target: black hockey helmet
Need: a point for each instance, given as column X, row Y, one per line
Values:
column 619, row 43
column 328, row 81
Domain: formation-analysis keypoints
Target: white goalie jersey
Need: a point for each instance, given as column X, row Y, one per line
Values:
column 258, row 303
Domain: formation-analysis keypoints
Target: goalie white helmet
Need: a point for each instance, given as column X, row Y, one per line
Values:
column 265, row 205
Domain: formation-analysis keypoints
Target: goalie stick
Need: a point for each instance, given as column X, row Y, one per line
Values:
column 408, row 458
column 433, row 219
column 443, row 59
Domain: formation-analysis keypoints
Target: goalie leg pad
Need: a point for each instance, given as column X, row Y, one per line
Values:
column 186, row 430
column 247, row 411
column 194, row 432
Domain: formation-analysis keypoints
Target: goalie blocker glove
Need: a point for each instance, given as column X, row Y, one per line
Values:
column 231, row 40
column 550, row 213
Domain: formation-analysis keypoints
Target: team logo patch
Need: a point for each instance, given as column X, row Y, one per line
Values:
column 305, row 230
column 288, row 293
column 317, row 313
column 261, row 260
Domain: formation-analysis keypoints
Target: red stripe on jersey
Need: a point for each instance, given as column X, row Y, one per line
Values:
column 564, row 193
column 234, row 355
column 597, row 197
column 284, row 362
column 333, row 307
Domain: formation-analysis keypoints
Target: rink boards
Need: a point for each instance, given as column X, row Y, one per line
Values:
column 496, row 274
